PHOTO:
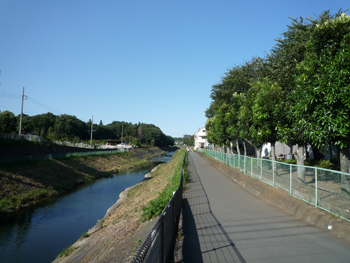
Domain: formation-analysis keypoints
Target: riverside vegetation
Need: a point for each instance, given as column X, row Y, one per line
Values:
column 26, row 182
column 144, row 201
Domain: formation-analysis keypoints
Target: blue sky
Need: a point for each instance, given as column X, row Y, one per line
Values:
column 135, row 61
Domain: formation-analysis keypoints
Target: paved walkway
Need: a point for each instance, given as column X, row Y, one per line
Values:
column 222, row 222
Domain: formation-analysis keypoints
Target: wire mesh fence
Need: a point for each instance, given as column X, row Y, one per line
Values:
column 29, row 137
column 326, row 189
column 158, row 247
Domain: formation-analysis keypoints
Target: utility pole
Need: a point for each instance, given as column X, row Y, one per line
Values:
column 92, row 125
column 122, row 134
column 20, row 120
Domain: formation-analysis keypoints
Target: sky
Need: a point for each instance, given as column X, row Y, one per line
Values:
column 152, row 61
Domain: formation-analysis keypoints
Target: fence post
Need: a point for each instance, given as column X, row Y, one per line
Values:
column 290, row 179
column 244, row 160
column 261, row 171
column 273, row 172
column 251, row 167
column 316, row 203
column 162, row 239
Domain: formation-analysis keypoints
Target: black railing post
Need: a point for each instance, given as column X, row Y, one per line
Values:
column 162, row 239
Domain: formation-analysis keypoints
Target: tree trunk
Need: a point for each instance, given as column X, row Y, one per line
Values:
column 300, row 162
column 330, row 151
column 273, row 151
column 245, row 148
column 237, row 146
column 258, row 151
column 344, row 167
column 344, row 159
column 306, row 152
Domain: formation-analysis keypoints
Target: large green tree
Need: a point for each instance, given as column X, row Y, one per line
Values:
column 237, row 80
column 323, row 86
column 69, row 127
column 268, row 111
column 8, row 122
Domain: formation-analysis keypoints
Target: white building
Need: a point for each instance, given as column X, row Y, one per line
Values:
column 200, row 139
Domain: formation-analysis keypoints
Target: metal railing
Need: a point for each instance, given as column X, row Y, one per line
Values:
column 160, row 242
column 29, row 137
column 325, row 189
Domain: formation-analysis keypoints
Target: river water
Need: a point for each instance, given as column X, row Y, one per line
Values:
column 40, row 233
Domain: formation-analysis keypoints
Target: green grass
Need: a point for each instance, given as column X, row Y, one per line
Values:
column 66, row 251
column 85, row 235
column 13, row 201
column 156, row 206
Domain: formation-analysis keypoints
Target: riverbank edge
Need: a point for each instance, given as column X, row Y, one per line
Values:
column 140, row 233
column 122, row 198
column 128, row 245
column 103, row 174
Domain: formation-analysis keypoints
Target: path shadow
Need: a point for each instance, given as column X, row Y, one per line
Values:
column 191, row 248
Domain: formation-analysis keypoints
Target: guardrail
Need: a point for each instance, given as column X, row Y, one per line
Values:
column 160, row 242
column 323, row 188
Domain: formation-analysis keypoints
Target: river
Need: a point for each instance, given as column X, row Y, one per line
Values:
column 38, row 234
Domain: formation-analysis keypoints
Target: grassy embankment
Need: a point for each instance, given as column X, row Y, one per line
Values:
column 150, row 198
column 24, row 183
column 144, row 201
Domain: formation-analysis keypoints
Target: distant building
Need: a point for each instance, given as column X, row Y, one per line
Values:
column 187, row 136
column 200, row 139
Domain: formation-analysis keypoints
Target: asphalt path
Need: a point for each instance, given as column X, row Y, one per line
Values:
column 223, row 222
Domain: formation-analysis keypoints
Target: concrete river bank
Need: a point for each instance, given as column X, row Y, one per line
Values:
column 40, row 233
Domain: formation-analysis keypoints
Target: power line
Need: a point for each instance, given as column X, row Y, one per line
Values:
column 8, row 95
column 43, row 105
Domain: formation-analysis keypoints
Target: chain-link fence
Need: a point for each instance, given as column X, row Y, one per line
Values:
column 160, row 242
column 326, row 189
column 29, row 137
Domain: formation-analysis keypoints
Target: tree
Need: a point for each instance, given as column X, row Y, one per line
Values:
column 323, row 86
column 189, row 141
column 281, row 65
column 42, row 123
column 8, row 122
column 27, row 125
column 245, row 122
column 71, row 128
column 268, row 107
column 227, row 97
column 237, row 80
column 232, row 119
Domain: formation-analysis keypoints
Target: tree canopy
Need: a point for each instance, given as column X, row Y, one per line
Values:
column 298, row 93
column 70, row 128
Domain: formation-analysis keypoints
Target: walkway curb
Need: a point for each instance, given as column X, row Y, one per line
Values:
column 284, row 201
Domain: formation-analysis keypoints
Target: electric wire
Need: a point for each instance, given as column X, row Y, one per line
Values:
column 43, row 105
column 7, row 95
